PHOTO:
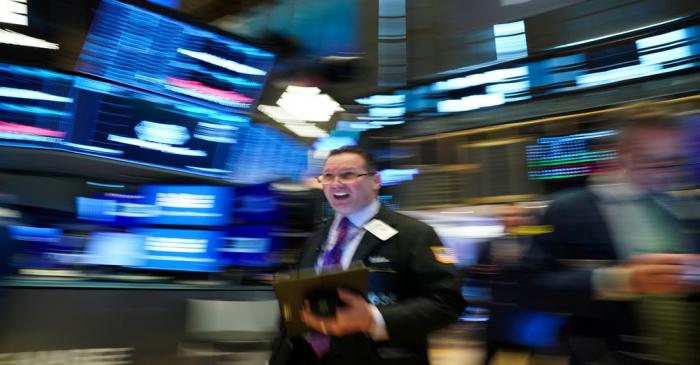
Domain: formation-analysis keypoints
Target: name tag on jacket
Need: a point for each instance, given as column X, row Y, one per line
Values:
column 380, row 229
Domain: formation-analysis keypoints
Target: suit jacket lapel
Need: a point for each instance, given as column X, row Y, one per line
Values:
column 370, row 241
column 600, row 229
column 314, row 246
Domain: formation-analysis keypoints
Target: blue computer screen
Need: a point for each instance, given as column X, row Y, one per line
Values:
column 569, row 156
column 115, row 249
column 188, row 205
column 180, row 250
column 38, row 246
column 248, row 245
column 34, row 106
column 152, row 51
column 113, row 209
column 256, row 204
column 122, row 123
column 35, row 234
column 48, row 109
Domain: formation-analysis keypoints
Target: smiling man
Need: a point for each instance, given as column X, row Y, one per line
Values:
column 414, row 289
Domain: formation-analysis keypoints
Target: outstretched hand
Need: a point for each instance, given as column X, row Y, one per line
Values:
column 664, row 273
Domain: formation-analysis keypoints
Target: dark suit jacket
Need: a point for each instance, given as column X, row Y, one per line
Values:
column 557, row 271
column 426, row 292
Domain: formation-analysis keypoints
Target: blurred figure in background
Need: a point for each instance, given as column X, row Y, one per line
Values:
column 511, row 328
column 622, row 257
column 7, row 216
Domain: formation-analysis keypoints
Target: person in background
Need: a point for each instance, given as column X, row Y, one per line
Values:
column 510, row 327
column 423, row 293
column 7, row 245
column 622, row 256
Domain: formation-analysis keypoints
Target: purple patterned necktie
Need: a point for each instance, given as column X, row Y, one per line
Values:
column 320, row 343
column 333, row 257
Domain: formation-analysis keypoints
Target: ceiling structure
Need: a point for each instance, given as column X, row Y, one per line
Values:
column 434, row 38
column 210, row 10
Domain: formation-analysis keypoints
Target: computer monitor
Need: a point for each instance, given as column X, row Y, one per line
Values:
column 188, row 205
column 569, row 156
column 113, row 209
column 34, row 104
column 46, row 109
column 35, row 245
column 145, row 47
column 248, row 246
column 180, row 250
column 115, row 249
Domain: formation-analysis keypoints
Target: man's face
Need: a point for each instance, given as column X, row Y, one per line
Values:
column 347, row 198
column 513, row 216
column 652, row 158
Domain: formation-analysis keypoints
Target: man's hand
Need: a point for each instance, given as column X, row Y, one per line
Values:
column 663, row 273
column 354, row 317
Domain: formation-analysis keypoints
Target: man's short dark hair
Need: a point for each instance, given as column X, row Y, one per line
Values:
column 370, row 165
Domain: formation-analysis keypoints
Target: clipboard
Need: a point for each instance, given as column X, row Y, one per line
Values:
column 292, row 288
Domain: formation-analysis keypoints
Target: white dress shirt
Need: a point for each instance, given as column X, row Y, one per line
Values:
column 355, row 233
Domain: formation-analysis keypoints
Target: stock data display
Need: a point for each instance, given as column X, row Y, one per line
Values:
column 118, row 122
column 180, row 250
column 248, row 245
column 188, row 205
column 47, row 109
column 568, row 156
column 34, row 106
column 148, row 50
column 156, row 249
column 182, row 205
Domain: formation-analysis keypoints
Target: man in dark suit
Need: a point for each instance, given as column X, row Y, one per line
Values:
column 415, row 290
column 622, row 259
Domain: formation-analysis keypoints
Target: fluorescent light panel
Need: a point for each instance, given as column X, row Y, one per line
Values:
column 14, row 12
column 307, row 103
column 18, row 39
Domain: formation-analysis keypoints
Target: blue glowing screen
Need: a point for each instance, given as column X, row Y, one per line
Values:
column 158, row 249
column 35, row 234
column 113, row 209
column 117, row 122
column 42, row 108
column 569, row 156
column 115, row 249
column 188, row 205
column 248, row 245
column 41, row 247
column 180, row 250
column 148, row 50
column 169, row 3
column 182, row 205
column 256, row 204
column 34, row 106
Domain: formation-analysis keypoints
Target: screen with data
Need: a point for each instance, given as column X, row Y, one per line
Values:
column 47, row 109
column 143, row 48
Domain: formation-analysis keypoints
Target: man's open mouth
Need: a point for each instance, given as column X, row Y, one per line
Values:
column 341, row 196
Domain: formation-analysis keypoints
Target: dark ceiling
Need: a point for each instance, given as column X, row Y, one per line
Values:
column 210, row 10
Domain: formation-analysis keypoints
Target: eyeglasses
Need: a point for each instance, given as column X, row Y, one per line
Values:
column 343, row 177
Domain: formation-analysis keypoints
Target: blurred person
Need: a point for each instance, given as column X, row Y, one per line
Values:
column 620, row 260
column 507, row 250
column 423, row 294
column 7, row 245
column 511, row 328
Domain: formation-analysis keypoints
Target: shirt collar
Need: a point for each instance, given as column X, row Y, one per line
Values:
column 360, row 217
column 614, row 188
